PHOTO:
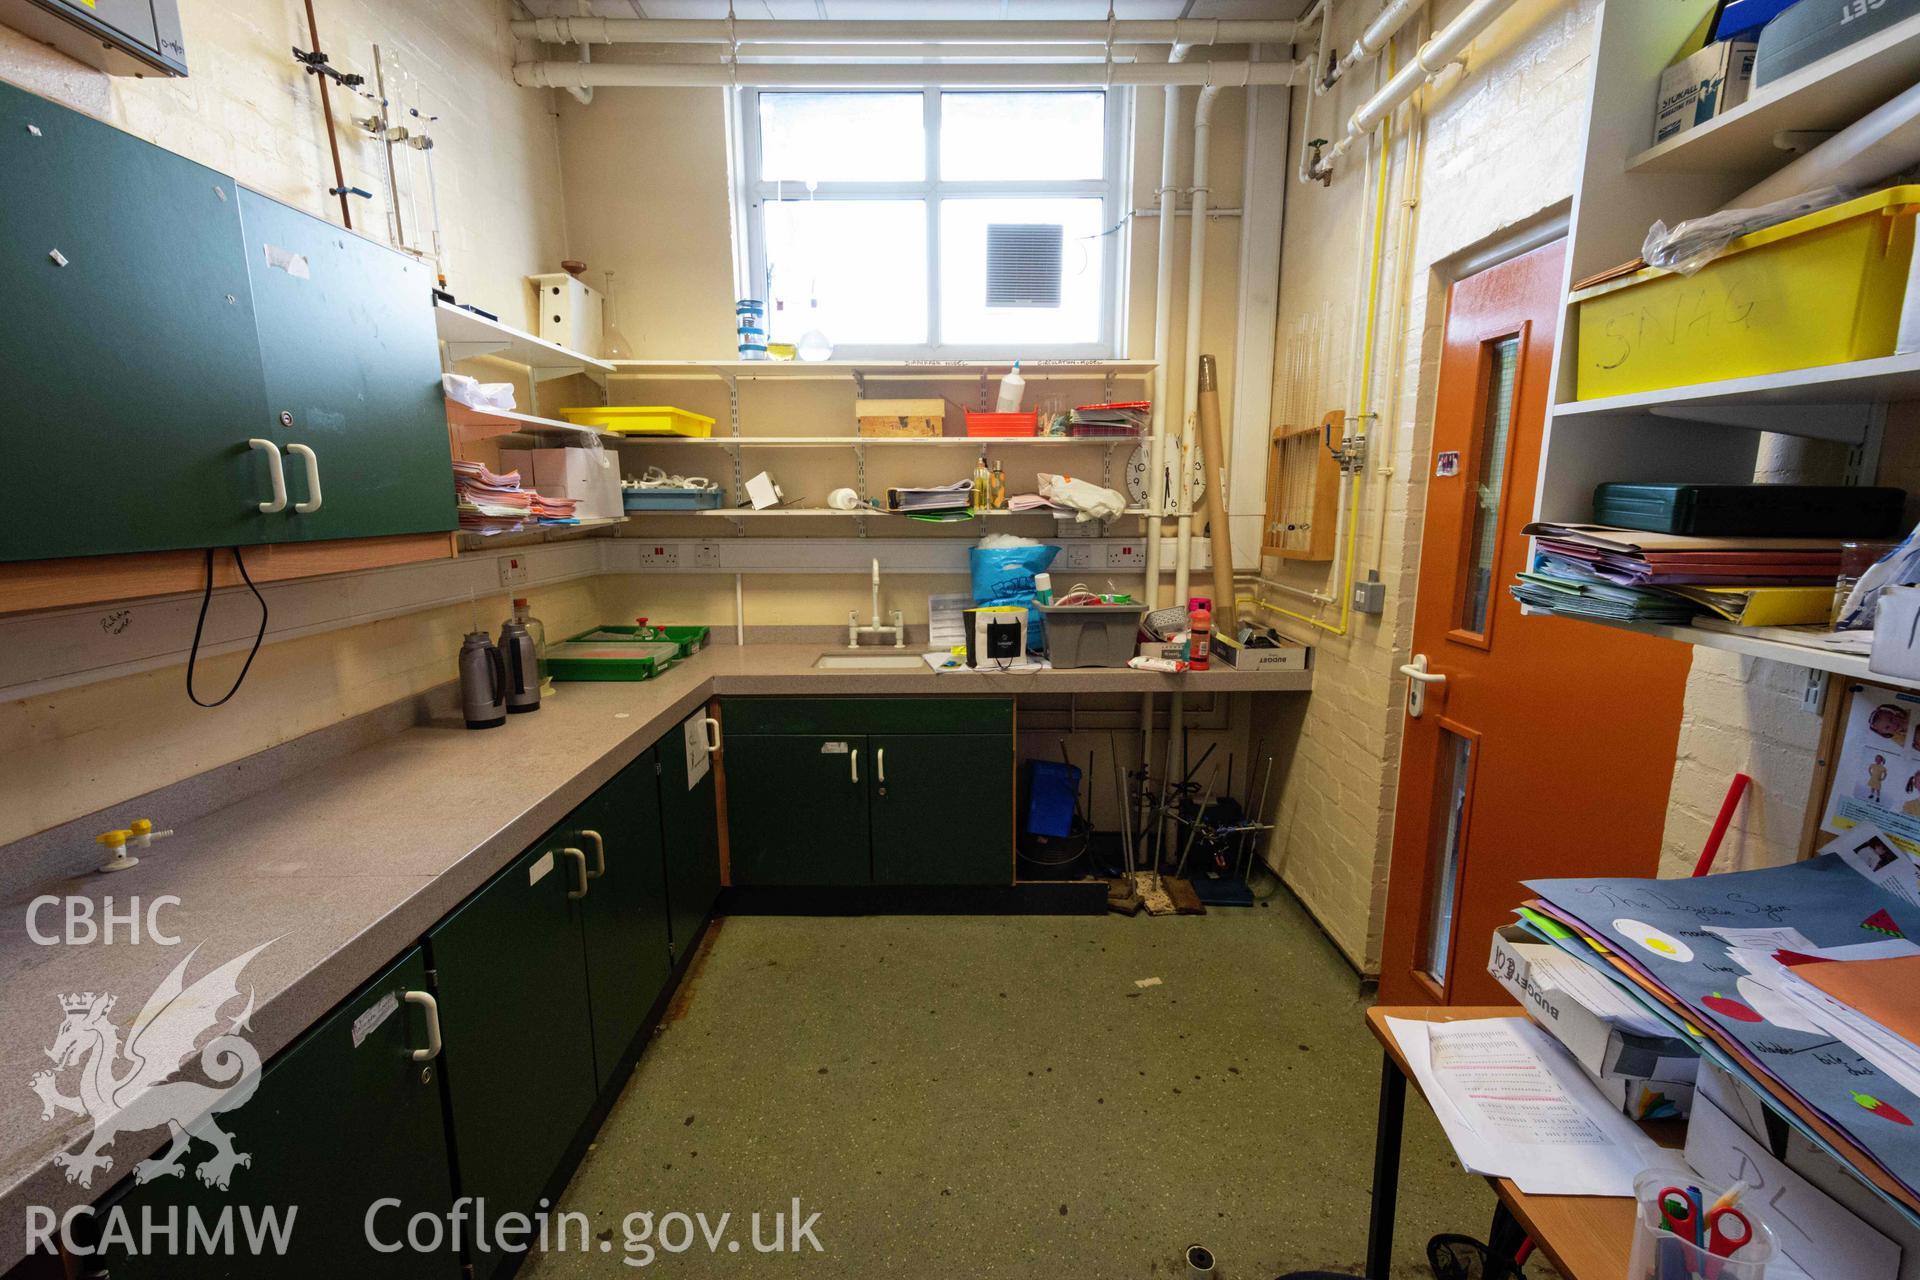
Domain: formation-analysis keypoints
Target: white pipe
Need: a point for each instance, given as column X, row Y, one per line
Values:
column 569, row 75
column 1882, row 142
column 1318, row 597
column 1382, row 29
column 1190, row 367
column 910, row 51
column 1434, row 56
column 1313, row 74
column 1187, row 31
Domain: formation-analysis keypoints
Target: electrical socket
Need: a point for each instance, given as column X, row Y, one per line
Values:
column 706, row 555
column 1126, row 555
column 660, row 555
column 513, row 571
column 1076, row 555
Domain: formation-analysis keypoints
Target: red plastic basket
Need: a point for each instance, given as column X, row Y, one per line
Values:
column 1002, row 424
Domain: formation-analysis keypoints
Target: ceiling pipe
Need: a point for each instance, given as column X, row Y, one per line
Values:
column 1434, row 56
column 1373, row 39
column 1201, row 31
column 575, row 75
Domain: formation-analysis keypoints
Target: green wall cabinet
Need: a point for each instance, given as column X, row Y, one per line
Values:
column 159, row 318
column 690, row 829
column 514, row 1014
column 343, row 1117
column 882, row 791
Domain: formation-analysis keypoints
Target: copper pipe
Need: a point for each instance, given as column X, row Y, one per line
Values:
column 333, row 141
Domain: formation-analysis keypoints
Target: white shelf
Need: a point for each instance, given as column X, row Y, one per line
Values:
column 810, row 442
column 735, row 513
column 474, row 540
column 890, row 370
column 1759, row 646
column 468, row 335
column 1829, row 402
column 480, row 424
column 1829, row 94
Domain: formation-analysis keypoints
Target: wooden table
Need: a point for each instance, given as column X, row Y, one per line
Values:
column 1585, row 1237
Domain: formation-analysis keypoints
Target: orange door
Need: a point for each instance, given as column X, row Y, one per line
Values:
column 1544, row 746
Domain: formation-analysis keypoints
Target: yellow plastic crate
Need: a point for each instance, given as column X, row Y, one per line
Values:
column 1821, row 289
column 641, row 420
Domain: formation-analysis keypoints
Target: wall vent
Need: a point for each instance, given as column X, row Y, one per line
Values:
column 1023, row 264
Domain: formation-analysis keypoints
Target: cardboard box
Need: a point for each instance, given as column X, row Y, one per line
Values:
column 904, row 417
column 1605, row 1050
column 571, row 473
column 1703, row 85
column 1230, row 653
column 566, row 312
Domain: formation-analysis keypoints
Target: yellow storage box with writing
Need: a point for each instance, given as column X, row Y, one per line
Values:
column 1821, row 289
column 641, row 420
column 927, row 417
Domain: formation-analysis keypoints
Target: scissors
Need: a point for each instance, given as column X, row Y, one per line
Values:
column 1684, row 1216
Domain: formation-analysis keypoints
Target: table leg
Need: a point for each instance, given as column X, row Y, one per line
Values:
column 1504, row 1237
column 1386, row 1169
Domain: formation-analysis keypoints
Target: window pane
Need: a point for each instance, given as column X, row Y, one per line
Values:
column 842, row 137
column 965, row 232
column 864, row 260
column 1484, row 550
column 1443, row 859
column 1027, row 137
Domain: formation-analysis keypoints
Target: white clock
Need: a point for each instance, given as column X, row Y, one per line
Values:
column 1139, row 462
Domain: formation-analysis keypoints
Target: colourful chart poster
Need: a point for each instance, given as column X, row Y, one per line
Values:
column 1876, row 774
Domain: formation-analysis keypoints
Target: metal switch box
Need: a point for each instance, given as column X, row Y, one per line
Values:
column 119, row 37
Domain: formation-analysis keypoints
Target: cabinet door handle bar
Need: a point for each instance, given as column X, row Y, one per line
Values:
column 432, row 1007
column 275, row 473
column 579, row 864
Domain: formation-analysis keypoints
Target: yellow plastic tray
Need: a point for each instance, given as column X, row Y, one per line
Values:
column 1821, row 289
column 641, row 420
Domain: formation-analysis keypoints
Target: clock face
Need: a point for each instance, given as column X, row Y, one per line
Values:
column 1141, row 459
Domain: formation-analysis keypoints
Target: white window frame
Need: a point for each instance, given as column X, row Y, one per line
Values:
column 1110, row 188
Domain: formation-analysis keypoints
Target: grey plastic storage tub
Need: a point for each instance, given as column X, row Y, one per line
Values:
column 1091, row 635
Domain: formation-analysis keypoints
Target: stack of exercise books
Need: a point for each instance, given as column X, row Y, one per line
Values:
column 1122, row 418
column 1596, row 571
column 490, row 502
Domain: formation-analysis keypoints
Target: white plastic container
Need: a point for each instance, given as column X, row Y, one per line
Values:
column 1012, row 388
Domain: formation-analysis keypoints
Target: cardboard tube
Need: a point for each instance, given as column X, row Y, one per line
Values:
column 1214, row 448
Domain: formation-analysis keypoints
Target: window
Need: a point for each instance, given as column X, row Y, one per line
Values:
column 944, row 224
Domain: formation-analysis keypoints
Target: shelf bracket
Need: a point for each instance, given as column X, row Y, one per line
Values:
column 1846, row 423
column 467, row 350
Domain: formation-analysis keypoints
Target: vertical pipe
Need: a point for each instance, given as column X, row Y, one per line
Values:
column 1190, row 367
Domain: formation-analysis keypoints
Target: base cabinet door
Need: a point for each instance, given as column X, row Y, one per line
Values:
column 797, row 808
column 942, row 808
column 690, row 830
column 624, row 915
column 511, row 982
column 342, row 1119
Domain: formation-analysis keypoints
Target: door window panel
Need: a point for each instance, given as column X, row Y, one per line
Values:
column 1444, row 857
column 1483, row 550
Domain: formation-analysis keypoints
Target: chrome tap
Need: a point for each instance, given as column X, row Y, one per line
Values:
column 854, row 630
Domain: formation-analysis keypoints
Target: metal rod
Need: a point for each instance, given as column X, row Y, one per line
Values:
column 1257, row 818
column 1199, row 816
column 386, row 124
column 1126, row 816
column 333, row 140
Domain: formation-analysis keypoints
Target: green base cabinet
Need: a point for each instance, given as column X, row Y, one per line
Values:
column 857, row 791
column 344, row 1117
column 690, row 831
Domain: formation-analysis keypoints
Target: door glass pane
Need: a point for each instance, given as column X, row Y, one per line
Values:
column 808, row 137
column 1027, row 137
column 1484, row 549
column 1066, row 310
column 1443, row 859
column 863, row 261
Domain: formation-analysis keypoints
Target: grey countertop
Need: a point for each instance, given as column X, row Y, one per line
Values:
column 348, row 864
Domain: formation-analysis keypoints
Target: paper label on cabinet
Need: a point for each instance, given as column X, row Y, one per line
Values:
column 294, row 264
column 833, row 748
column 541, row 866
column 698, row 762
column 372, row 1016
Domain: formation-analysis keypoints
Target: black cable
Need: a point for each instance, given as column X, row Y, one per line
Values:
column 206, row 597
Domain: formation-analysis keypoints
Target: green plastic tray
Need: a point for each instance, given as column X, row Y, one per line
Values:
column 623, row 659
column 689, row 639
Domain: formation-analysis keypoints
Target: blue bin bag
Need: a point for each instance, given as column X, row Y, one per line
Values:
column 1051, row 789
column 1004, row 575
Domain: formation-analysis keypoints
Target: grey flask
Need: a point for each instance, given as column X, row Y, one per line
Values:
column 523, row 667
column 483, row 682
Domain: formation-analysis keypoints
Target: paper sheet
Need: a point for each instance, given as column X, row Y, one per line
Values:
column 1515, row 1106
column 1877, row 776
column 946, row 623
column 1563, row 973
column 1872, row 853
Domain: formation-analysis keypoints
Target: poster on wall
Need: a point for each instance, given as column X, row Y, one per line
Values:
column 1876, row 772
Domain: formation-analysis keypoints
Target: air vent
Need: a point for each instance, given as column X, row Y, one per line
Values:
column 1023, row 264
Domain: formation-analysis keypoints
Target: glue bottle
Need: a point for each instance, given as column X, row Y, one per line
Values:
column 1200, row 627
column 1012, row 387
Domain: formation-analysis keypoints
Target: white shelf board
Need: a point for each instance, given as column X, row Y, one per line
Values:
column 1753, row 646
column 1829, row 402
column 483, row 423
column 894, row 370
column 808, row 442
column 748, row 513
column 1829, row 94
column 474, row 540
column 468, row 335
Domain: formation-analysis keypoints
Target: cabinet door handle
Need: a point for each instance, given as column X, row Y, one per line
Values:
column 853, row 764
column 580, row 864
column 599, row 855
column 432, row 1006
column 312, row 504
column 274, row 473
column 880, row 765
column 712, row 727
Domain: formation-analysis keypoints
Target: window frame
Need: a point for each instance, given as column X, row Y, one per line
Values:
column 932, row 190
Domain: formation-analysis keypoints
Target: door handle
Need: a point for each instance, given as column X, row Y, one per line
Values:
column 712, row 727
column 580, row 864
column 432, row 1006
column 1418, row 678
column 274, row 473
column 853, row 764
column 599, row 855
column 880, row 765
column 312, row 504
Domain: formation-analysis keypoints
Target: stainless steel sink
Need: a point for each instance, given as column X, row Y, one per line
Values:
column 849, row 660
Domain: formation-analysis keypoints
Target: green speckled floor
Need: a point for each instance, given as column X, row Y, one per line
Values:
column 994, row 1096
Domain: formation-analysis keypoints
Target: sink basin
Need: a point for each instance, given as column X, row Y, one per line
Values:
column 851, row 660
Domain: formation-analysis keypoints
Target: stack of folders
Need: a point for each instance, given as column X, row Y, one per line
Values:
column 1598, row 571
column 957, row 496
column 489, row 502
column 1123, row 418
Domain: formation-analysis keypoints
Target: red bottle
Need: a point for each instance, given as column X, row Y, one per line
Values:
column 1200, row 629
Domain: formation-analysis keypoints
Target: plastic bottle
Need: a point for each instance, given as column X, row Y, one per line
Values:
column 1200, row 625
column 997, row 487
column 982, row 484
column 538, row 630
column 1012, row 387
column 1043, row 588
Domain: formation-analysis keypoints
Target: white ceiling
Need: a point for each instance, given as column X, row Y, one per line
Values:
column 925, row 9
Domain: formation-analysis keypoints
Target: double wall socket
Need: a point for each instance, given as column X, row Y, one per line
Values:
column 513, row 571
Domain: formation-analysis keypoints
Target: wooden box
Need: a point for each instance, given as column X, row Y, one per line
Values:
column 903, row 417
